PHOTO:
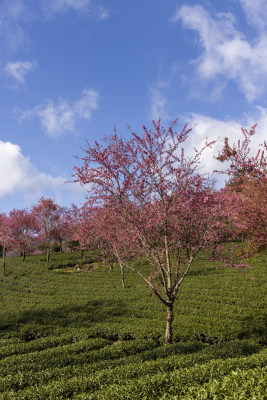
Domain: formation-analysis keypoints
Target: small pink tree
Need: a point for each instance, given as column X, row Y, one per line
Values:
column 80, row 227
column 23, row 229
column 253, row 213
column 62, row 227
column 162, row 201
column 243, row 164
column 247, row 184
column 5, row 239
column 47, row 215
column 112, row 239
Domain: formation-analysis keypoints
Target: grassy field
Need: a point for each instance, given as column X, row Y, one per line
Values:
column 70, row 335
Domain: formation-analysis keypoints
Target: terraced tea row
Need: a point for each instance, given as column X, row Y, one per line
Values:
column 70, row 336
column 175, row 375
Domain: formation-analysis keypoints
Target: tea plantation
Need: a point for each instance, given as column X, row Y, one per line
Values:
column 66, row 334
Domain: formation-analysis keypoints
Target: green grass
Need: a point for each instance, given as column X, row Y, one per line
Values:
column 69, row 335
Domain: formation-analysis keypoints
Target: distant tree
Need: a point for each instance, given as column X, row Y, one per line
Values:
column 162, row 201
column 243, row 164
column 112, row 238
column 61, row 227
column 47, row 214
column 80, row 227
column 73, row 245
column 248, row 184
column 253, row 213
column 5, row 239
column 41, row 246
column 23, row 229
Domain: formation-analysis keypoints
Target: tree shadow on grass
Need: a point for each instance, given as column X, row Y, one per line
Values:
column 254, row 326
column 96, row 311
column 203, row 270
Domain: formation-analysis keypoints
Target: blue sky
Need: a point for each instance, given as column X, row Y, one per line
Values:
column 72, row 69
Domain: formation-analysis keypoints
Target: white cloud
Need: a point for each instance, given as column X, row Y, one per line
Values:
column 19, row 176
column 214, row 129
column 158, row 104
column 103, row 13
column 256, row 12
column 226, row 52
column 18, row 173
column 52, row 7
column 17, row 70
column 60, row 118
column 88, row 102
column 13, row 17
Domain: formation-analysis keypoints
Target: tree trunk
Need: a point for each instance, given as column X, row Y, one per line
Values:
column 122, row 275
column 23, row 254
column 82, row 255
column 214, row 251
column 4, row 262
column 169, row 319
column 47, row 255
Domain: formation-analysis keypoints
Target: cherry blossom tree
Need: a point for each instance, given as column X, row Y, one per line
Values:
column 23, row 229
column 247, row 183
column 162, row 201
column 112, row 238
column 80, row 227
column 5, row 239
column 62, row 227
column 47, row 215
column 243, row 164
column 253, row 213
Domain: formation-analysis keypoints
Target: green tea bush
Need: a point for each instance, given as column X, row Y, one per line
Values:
column 172, row 385
column 82, row 336
column 238, row 384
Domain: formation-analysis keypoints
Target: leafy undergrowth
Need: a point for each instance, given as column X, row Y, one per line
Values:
column 82, row 336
